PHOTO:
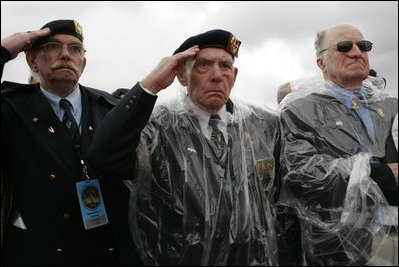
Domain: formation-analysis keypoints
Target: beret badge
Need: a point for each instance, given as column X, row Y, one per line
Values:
column 233, row 45
column 78, row 28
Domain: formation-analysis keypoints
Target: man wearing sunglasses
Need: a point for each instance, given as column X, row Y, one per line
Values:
column 44, row 142
column 339, row 159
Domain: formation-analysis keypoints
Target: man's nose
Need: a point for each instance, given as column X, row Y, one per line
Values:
column 355, row 51
column 65, row 52
column 216, row 73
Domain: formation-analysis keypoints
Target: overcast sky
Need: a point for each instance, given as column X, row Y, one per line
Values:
column 126, row 40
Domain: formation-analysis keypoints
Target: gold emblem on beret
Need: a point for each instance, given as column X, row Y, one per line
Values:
column 234, row 45
column 78, row 29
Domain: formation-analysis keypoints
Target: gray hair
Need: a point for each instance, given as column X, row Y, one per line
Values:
column 33, row 77
column 319, row 41
column 283, row 90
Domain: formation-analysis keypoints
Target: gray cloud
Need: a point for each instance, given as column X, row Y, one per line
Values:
column 125, row 40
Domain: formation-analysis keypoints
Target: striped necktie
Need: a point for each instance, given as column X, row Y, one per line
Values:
column 69, row 121
column 216, row 136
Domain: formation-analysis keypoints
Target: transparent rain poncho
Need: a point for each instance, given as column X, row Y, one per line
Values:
column 326, row 174
column 189, row 207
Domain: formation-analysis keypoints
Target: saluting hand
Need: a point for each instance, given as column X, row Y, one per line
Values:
column 164, row 74
column 21, row 41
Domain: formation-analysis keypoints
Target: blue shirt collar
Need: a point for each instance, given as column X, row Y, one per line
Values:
column 344, row 95
column 75, row 98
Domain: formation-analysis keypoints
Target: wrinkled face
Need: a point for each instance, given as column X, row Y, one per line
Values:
column 209, row 78
column 59, row 66
column 344, row 68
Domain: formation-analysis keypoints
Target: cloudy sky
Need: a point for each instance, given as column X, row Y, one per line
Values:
column 126, row 40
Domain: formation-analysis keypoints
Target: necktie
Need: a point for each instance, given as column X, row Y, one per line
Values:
column 69, row 121
column 216, row 136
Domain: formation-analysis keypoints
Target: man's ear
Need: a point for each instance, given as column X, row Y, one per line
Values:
column 181, row 76
column 320, row 63
column 31, row 60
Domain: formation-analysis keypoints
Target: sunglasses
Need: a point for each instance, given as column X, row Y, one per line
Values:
column 346, row 46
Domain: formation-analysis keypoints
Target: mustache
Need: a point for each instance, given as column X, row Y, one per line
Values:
column 64, row 64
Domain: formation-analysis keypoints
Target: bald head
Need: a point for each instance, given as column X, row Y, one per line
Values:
column 347, row 69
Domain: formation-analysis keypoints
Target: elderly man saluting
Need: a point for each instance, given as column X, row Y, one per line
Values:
column 202, row 170
column 48, row 189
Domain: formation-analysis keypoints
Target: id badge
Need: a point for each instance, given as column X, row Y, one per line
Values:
column 91, row 203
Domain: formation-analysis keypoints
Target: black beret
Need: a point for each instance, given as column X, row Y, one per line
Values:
column 214, row 38
column 70, row 27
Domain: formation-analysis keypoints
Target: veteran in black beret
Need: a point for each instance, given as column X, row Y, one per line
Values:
column 46, row 130
column 201, row 169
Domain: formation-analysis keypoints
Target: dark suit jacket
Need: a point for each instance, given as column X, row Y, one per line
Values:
column 191, row 207
column 40, row 169
column 322, row 157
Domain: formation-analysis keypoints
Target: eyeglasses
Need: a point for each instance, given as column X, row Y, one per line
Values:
column 346, row 46
column 55, row 48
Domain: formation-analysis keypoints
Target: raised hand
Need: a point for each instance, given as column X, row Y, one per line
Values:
column 164, row 74
column 21, row 41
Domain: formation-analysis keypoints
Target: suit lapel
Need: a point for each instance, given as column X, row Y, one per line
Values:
column 41, row 117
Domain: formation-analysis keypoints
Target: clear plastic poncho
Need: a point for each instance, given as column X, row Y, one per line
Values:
column 344, row 216
column 190, row 207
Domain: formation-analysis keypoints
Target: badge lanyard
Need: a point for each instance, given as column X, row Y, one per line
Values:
column 90, row 198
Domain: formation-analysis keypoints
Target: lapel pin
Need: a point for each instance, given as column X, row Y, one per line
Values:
column 355, row 105
column 51, row 129
column 191, row 149
column 380, row 112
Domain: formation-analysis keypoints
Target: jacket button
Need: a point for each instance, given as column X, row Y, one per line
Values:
column 131, row 102
column 111, row 250
column 127, row 107
column 67, row 216
column 52, row 177
column 59, row 250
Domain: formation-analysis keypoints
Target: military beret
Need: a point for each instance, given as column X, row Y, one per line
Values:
column 214, row 38
column 70, row 27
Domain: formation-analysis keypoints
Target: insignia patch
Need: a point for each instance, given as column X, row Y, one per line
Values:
column 234, row 45
column 78, row 29
column 266, row 168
